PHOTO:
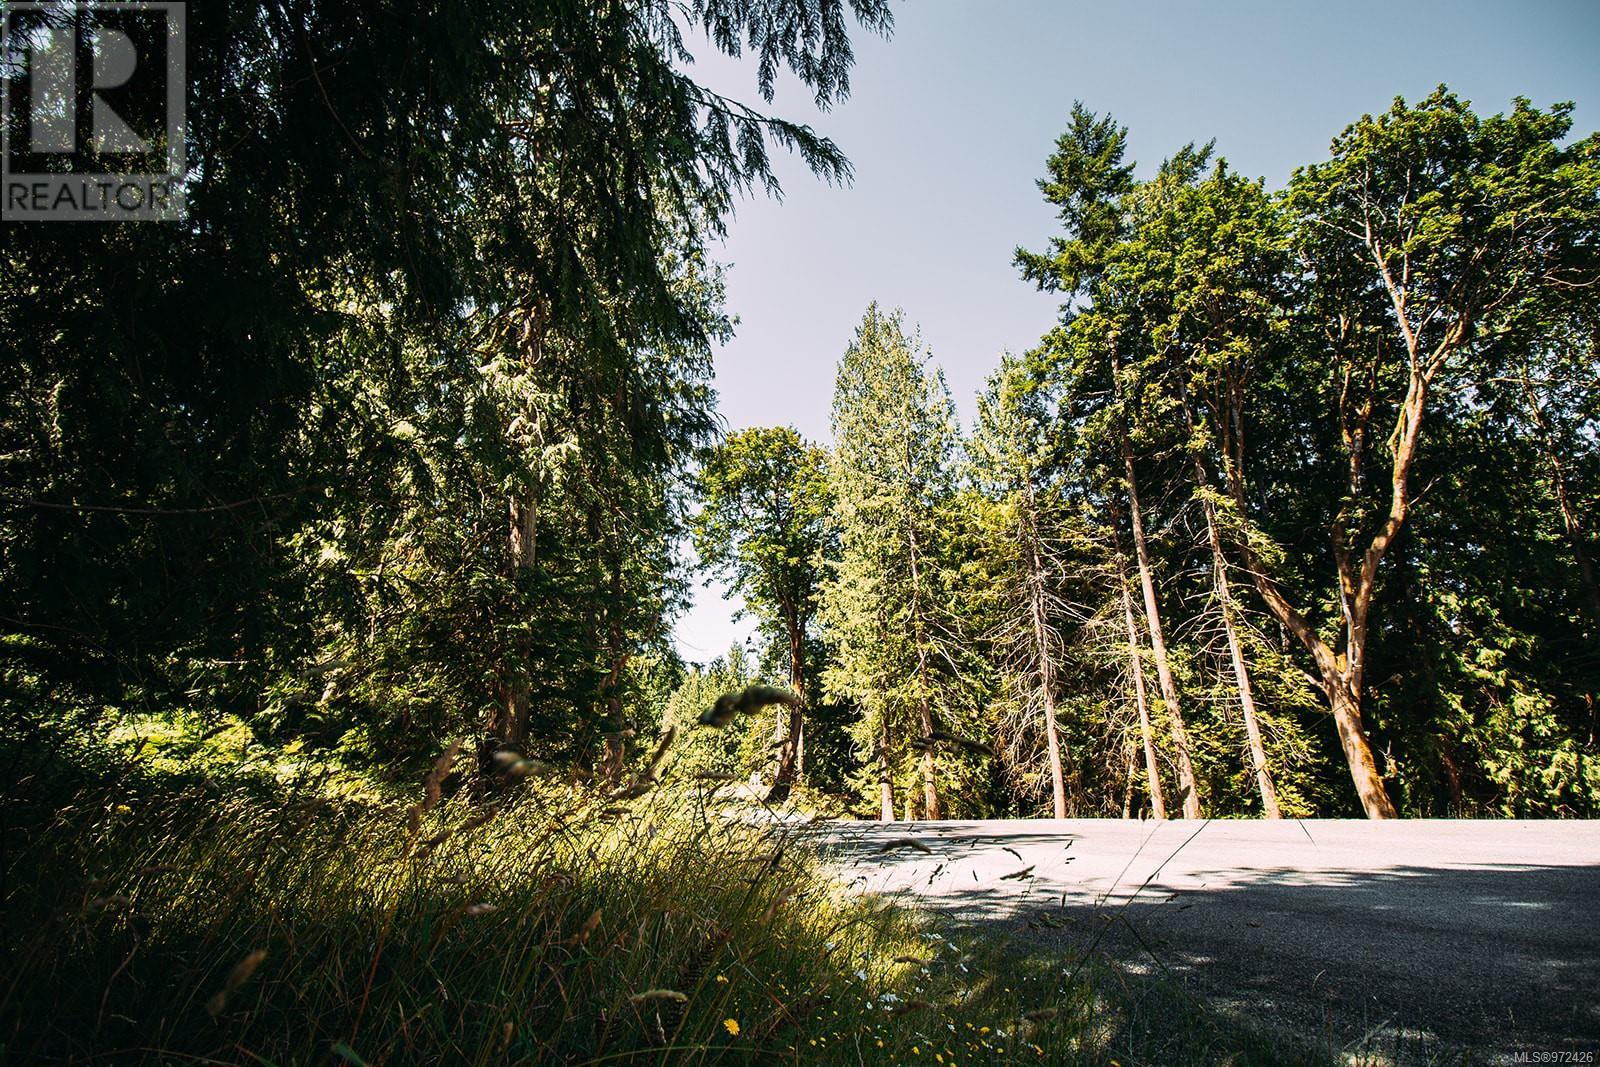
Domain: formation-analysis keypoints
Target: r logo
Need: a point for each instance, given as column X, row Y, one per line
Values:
column 107, row 146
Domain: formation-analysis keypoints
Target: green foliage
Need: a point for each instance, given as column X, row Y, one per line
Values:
column 1413, row 313
column 1086, row 182
column 393, row 445
column 886, row 608
column 441, row 264
column 396, row 439
column 1398, row 351
column 763, row 526
column 738, row 749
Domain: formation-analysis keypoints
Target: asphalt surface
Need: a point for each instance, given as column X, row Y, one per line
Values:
column 1422, row 936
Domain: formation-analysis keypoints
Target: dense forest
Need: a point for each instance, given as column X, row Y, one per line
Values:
column 1291, row 514
column 405, row 435
column 345, row 522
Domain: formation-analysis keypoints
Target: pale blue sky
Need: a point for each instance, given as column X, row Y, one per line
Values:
column 948, row 125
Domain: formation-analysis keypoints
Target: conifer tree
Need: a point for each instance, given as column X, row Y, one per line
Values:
column 884, row 603
column 1016, row 461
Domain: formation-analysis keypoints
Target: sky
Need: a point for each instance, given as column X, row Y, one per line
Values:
column 948, row 124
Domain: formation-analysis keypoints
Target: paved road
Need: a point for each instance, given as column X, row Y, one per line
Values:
column 1481, row 935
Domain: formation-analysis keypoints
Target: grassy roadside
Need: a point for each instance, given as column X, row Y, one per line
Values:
column 155, row 921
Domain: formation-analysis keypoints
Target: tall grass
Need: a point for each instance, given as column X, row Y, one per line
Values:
column 214, row 924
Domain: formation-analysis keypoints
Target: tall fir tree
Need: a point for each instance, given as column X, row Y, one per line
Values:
column 884, row 605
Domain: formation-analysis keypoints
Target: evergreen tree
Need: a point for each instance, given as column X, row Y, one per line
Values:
column 884, row 606
column 1233, row 369
column 384, row 441
column 1016, row 459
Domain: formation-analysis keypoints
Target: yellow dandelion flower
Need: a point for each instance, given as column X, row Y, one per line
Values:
column 915, row 1051
column 983, row 1029
column 722, row 978
column 880, row 1042
column 732, row 1026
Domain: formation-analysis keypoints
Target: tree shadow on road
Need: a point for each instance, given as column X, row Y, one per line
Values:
column 1403, row 963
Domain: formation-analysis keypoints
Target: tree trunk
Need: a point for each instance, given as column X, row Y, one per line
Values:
column 1339, row 681
column 1453, row 776
column 616, row 754
column 800, row 750
column 1241, row 673
column 1187, row 786
column 1052, row 737
column 1128, row 777
column 508, row 722
column 788, row 761
column 1341, row 674
column 885, row 780
column 1358, row 753
column 930, row 791
column 1158, row 801
column 615, row 760
column 1045, row 662
column 1247, row 705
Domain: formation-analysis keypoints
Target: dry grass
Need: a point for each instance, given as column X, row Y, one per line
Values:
column 209, row 924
